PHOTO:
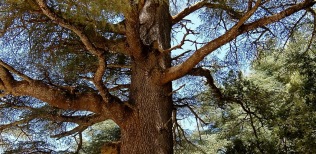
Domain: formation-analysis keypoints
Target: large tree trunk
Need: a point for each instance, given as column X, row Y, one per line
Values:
column 149, row 128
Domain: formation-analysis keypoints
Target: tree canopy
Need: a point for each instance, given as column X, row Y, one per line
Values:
column 68, row 65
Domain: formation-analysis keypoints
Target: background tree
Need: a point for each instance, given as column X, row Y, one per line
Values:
column 272, row 109
column 67, row 65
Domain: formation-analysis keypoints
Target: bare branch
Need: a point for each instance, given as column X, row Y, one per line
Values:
column 292, row 29
column 82, row 121
column 79, row 128
column 180, row 55
column 203, row 3
column 174, row 91
column 255, row 133
column 80, row 142
column 54, row 115
column 179, row 46
column 178, row 129
column 196, row 115
column 187, row 11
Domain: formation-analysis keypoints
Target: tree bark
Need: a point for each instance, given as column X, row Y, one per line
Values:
column 149, row 128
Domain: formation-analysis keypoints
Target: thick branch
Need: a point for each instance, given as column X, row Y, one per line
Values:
column 59, row 97
column 98, row 76
column 276, row 17
column 64, row 100
column 119, row 66
column 56, row 97
column 182, row 69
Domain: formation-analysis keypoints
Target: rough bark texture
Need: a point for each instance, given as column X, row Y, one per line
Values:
column 149, row 129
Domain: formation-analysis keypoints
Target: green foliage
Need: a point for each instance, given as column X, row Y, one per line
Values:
column 272, row 109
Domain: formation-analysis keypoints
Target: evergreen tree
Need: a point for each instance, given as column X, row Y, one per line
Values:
column 272, row 109
column 66, row 65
